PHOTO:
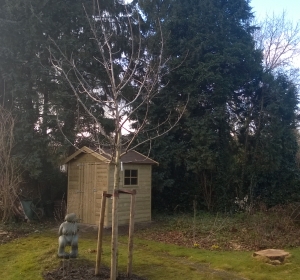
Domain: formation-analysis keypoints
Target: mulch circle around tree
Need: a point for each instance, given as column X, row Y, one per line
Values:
column 75, row 270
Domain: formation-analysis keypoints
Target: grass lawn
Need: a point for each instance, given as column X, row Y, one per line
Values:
column 29, row 256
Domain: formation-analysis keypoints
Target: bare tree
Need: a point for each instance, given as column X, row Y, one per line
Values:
column 130, row 81
column 9, row 169
column 279, row 40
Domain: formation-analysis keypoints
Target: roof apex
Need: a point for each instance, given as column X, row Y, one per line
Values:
column 131, row 156
column 86, row 150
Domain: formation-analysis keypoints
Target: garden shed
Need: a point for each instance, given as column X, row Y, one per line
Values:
column 91, row 172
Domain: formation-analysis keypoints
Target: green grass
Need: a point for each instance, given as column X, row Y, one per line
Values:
column 201, row 264
column 28, row 257
column 274, row 228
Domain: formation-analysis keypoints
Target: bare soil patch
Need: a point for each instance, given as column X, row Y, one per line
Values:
column 81, row 269
column 7, row 236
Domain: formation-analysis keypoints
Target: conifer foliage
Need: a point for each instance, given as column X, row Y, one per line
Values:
column 233, row 141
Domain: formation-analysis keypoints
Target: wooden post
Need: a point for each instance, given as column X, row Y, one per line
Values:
column 100, row 233
column 130, row 236
column 114, row 239
column 194, row 220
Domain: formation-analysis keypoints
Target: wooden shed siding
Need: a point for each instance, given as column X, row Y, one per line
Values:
column 87, row 180
column 143, row 196
column 89, row 176
column 72, row 203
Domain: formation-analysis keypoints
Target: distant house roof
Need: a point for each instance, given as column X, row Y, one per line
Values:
column 132, row 156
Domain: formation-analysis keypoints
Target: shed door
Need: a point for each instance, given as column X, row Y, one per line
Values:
column 87, row 193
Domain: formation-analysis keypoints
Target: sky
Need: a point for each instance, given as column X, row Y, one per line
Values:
column 263, row 7
column 291, row 8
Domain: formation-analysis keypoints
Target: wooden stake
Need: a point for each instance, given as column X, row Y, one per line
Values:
column 130, row 236
column 194, row 220
column 100, row 233
column 114, row 239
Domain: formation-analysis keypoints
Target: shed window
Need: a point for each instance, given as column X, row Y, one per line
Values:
column 130, row 177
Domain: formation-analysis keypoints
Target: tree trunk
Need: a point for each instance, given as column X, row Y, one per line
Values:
column 114, row 237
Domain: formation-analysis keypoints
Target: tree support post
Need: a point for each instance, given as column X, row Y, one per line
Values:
column 114, row 239
column 100, row 232
column 130, row 234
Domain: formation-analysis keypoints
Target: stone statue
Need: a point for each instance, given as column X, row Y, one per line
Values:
column 68, row 237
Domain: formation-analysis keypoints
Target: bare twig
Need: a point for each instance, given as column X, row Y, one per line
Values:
column 279, row 40
column 134, row 70
column 9, row 168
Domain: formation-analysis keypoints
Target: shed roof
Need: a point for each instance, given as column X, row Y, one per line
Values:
column 132, row 156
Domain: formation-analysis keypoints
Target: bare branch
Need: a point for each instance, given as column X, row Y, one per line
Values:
column 279, row 40
column 131, row 80
column 10, row 175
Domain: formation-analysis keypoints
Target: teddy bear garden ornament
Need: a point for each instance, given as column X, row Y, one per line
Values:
column 68, row 237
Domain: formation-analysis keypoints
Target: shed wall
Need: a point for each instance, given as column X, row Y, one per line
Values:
column 143, row 195
column 87, row 181
column 88, row 177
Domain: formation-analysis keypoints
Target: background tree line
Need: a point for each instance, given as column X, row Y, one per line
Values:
column 236, row 139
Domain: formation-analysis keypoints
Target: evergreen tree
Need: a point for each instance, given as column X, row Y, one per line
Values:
column 212, row 42
column 49, row 116
column 273, row 175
